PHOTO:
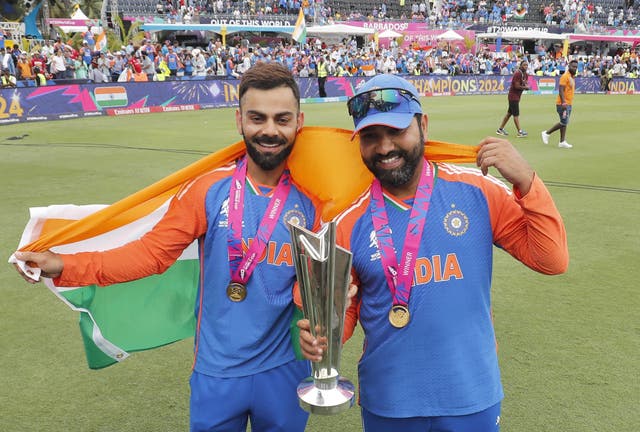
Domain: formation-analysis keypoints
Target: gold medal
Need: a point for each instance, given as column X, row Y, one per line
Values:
column 236, row 292
column 399, row 316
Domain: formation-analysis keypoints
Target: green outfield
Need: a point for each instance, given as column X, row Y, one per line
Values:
column 569, row 345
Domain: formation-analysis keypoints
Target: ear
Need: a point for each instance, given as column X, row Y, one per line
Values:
column 300, row 122
column 239, row 120
column 424, row 123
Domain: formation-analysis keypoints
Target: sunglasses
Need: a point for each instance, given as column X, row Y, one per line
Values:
column 382, row 100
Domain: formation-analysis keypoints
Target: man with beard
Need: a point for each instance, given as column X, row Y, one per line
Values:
column 422, row 239
column 564, row 102
column 245, row 366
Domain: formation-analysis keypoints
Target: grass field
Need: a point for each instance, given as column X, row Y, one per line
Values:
column 569, row 345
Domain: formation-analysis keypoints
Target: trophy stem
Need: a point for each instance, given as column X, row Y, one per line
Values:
column 323, row 271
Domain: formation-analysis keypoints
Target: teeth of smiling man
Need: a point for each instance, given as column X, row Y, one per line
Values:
column 389, row 160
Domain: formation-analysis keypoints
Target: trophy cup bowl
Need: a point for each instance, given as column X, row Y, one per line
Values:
column 323, row 270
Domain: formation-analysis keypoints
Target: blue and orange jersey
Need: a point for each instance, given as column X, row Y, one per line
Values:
column 444, row 362
column 232, row 339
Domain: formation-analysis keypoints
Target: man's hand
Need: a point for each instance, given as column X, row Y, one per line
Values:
column 49, row 263
column 312, row 348
column 502, row 155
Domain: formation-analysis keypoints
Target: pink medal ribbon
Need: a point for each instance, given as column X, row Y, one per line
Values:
column 241, row 265
column 400, row 276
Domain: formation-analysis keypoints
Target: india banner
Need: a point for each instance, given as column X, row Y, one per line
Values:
column 157, row 310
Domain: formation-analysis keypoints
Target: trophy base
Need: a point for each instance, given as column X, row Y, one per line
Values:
column 326, row 401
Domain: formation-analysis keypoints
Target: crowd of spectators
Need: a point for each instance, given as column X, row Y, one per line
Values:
column 162, row 61
column 588, row 15
column 169, row 60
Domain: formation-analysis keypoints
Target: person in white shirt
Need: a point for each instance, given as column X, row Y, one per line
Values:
column 57, row 66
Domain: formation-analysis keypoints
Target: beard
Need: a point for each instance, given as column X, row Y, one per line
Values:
column 402, row 175
column 267, row 161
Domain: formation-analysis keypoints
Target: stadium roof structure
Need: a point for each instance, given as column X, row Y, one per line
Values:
column 631, row 39
column 337, row 29
column 523, row 35
column 216, row 28
column 572, row 37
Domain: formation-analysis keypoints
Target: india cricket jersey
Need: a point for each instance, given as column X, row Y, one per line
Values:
column 233, row 339
column 444, row 361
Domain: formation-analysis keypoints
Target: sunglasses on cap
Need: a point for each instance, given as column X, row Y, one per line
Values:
column 382, row 100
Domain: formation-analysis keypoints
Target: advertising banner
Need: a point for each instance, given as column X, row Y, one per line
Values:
column 75, row 100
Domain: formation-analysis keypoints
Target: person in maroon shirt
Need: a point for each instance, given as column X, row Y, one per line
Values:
column 518, row 85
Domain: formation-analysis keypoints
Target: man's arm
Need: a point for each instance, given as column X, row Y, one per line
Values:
column 561, row 90
column 526, row 224
column 153, row 253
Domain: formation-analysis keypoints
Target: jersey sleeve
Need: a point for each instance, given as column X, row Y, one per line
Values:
column 530, row 228
column 153, row 253
column 345, row 222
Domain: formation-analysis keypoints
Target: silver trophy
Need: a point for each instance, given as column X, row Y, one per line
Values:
column 323, row 270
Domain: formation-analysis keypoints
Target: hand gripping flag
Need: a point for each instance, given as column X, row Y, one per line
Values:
column 159, row 309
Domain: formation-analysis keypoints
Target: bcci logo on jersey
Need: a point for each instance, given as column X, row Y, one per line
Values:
column 456, row 223
column 295, row 217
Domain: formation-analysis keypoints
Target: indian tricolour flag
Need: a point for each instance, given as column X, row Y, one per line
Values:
column 300, row 30
column 101, row 41
column 152, row 311
column 159, row 309
column 110, row 96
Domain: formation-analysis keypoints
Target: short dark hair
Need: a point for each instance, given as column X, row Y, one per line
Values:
column 267, row 76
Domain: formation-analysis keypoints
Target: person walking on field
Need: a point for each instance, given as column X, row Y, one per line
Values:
column 422, row 238
column 564, row 102
column 519, row 83
column 245, row 368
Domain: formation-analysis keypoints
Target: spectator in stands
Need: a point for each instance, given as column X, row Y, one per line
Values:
column 69, row 65
column 40, row 78
column 6, row 61
column 149, row 49
column 95, row 73
column 86, row 52
column 88, row 39
column 187, row 63
column 172, row 60
column 8, row 80
column 147, row 66
column 135, row 64
column 24, row 70
column 37, row 60
column 119, row 63
column 47, row 49
column 104, row 64
column 80, row 69
column 199, row 62
column 57, row 65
